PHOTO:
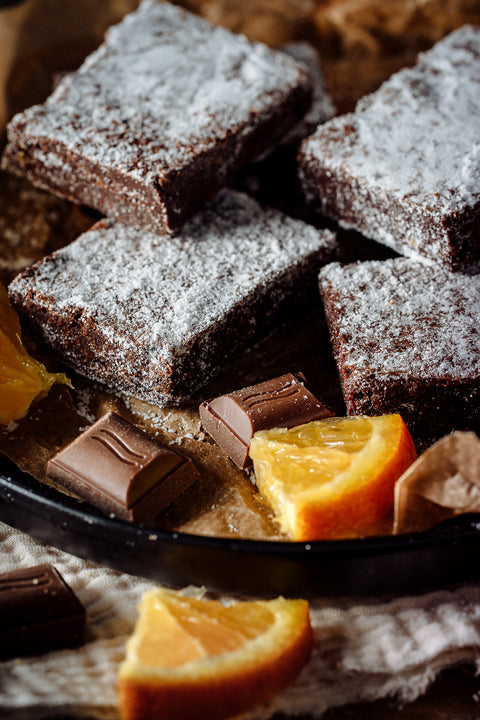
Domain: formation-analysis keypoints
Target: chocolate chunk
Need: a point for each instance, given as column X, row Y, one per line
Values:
column 38, row 612
column 122, row 470
column 284, row 401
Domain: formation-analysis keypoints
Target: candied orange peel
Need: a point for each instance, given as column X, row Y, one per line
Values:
column 190, row 658
column 332, row 478
column 23, row 379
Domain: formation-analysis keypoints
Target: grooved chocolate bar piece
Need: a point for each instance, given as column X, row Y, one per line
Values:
column 232, row 419
column 404, row 168
column 406, row 339
column 157, row 319
column 122, row 470
column 159, row 118
column 38, row 612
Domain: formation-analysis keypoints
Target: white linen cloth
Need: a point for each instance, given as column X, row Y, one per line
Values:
column 363, row 650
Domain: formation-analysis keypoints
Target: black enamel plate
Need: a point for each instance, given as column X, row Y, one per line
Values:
column 446, row 554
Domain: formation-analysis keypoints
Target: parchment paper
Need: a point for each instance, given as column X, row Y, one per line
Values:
column 444, row 482
column 41, row 38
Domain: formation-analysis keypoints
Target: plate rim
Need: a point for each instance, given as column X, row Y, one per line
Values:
column 299, row 557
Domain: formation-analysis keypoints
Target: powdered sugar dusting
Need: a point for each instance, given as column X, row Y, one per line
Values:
column 418, row 135
column 194, row 83
column 150, row 297
column 399, row 318
column 167, row 290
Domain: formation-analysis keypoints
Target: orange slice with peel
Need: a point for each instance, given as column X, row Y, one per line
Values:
column 23, row 379
column 332, row 478
column 192, row 659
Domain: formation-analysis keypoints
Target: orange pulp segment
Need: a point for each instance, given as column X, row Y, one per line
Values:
column 22, row 378
column 332, row 478
column 191, row 658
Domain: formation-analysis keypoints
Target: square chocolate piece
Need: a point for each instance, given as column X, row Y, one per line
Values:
column 406, row 338
column 233, row 419
column 404, row 168
column 121, row 470
column 159, row 118
column 38, row 612
column 156, row 317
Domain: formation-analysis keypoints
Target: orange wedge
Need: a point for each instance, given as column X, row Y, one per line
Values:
column 193, row 659
column 22, row 378
column 332, row 478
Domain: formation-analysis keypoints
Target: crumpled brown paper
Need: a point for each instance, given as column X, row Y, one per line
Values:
column 442, row 483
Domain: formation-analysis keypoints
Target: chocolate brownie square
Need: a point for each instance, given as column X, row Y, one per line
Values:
column 159, row 118
column 155, row 316
column 406, row 338
column 404, row 168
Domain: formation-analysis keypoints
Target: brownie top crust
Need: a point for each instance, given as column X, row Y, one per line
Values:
column 403, row 319
column 418, row 135
column 160, row 292
column 165, row 87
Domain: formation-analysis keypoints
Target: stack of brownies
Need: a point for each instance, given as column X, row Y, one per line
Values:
column 182, row 275
column 404, row 169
